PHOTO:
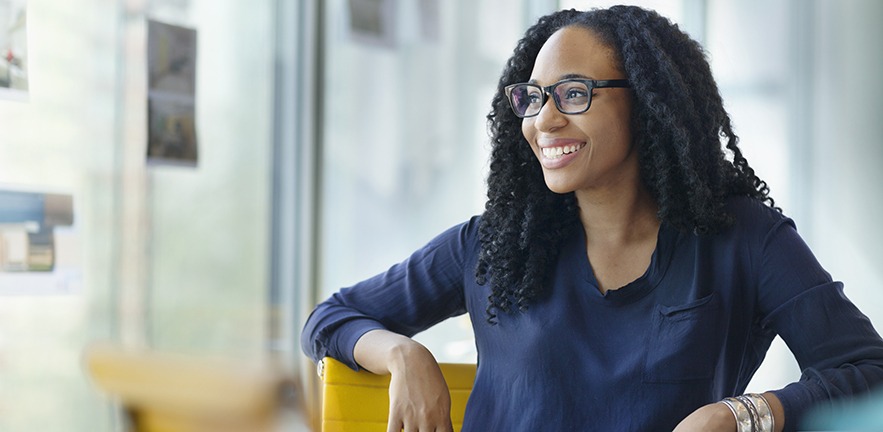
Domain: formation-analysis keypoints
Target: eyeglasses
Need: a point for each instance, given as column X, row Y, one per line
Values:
column 571, row 96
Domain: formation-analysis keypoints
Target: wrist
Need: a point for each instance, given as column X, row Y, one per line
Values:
column 384, row 352
column 405, row 352
column 752, row 413
column 721, row 418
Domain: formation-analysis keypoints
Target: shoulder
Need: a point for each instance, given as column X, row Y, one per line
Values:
column 467, row 230
column 463, row 236
column 751, row 215
column 752, row 224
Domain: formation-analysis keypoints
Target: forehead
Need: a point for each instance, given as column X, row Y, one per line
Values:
column 574, row 50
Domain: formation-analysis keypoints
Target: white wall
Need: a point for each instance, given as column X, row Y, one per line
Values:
column 845, row 182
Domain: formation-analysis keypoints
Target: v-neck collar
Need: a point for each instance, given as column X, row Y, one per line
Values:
column 659, row 262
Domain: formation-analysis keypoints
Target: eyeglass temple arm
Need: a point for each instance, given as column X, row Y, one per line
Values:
column 611, row 83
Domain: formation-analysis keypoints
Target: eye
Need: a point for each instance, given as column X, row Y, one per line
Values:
column 574, row 93
column 534, row 97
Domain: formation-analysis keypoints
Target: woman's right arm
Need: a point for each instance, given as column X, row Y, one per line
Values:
column 419, row 397
column 369, row 325
column 410, row 297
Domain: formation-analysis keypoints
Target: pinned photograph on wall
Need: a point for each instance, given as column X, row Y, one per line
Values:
column 13, row 50
column 372, row 22
column 172, row 132
column 39, row 243
column 171, row 95
column 430, row 27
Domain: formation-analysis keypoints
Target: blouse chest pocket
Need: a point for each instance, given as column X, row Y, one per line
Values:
column 683, row 343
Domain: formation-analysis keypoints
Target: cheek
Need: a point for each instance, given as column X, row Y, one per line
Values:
column 615, row 127
column 623, row 132
column 528, row 130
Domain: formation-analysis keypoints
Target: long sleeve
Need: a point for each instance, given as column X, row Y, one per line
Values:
column 410, row 297
column 839, row 352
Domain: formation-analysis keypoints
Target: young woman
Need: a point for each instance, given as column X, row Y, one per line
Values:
column 630, row 269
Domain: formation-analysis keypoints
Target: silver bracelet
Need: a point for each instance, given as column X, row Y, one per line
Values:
column 740, row 411
column 752, row 411
column 766, row 422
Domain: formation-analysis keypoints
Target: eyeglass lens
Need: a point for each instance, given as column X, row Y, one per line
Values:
column 571, row 97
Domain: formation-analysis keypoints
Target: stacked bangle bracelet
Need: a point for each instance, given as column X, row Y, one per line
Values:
column 752, row 412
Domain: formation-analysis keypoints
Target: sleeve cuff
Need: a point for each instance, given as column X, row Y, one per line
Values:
column 796, row 400
column 351, row 332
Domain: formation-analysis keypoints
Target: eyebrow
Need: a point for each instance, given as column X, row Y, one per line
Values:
column 565, row 77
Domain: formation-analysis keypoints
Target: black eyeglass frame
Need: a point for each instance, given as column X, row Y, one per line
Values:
column 550, row 91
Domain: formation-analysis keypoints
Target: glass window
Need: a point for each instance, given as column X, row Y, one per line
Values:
column 405, row 138
column 751, row 70
column 61, row 140
column 171, row 257
column 205, row 230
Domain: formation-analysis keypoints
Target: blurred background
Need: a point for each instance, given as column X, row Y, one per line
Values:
column 337, row 136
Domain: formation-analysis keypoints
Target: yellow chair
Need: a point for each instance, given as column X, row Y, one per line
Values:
column 164, row 392
column 359, row 401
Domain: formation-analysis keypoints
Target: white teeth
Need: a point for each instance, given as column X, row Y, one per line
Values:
column 556, row 152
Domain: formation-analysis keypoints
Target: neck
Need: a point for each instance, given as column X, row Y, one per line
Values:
column 618, row 216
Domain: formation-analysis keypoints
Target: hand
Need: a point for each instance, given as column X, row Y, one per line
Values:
column 419, row 399
column 714, row 417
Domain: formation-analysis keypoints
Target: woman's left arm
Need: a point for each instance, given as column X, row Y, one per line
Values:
column 839, row 353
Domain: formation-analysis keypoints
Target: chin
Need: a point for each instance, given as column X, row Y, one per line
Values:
column 559, row 188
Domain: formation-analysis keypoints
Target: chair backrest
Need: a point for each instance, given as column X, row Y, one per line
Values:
column 359, row 401
column 174, row 393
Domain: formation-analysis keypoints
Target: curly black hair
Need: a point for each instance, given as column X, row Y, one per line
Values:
column 678, row 126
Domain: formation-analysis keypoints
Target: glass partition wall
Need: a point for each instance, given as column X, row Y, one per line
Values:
column 406, row 88
column 62, row 139
column 206, row 251
column 164, row 256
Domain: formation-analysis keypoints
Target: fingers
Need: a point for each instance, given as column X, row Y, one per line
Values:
column 395, row 424
column 447, row 428
column 419, row 396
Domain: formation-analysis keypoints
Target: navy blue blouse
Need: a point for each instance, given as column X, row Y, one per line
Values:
column 692, row 330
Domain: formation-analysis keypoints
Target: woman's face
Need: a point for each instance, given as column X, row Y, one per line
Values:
column 592, row 150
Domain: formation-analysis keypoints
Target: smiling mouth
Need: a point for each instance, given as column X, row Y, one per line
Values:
column 557, row 152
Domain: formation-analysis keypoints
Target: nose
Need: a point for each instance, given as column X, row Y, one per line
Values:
column 549, row 118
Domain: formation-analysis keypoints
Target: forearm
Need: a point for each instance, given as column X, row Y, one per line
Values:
column 777, row 410
column 384, row 352
column 419, row 398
